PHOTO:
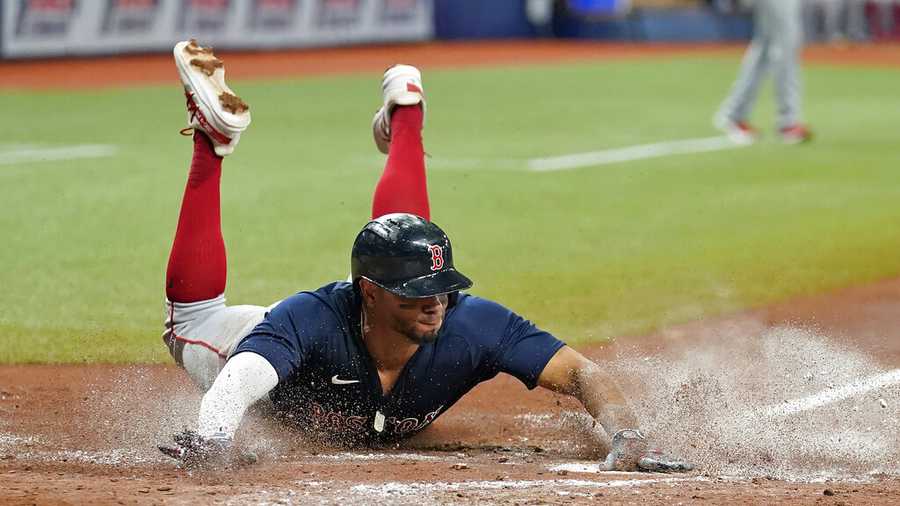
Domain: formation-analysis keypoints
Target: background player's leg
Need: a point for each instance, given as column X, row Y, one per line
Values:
column 788, row 41
column 754, row 66
column 197, row 265
column 402, row 187
column 743, row 93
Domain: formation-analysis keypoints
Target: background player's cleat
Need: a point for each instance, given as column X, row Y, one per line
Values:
column 402, row 85
column 212, row 107
column 740, row 132
column 795, row 134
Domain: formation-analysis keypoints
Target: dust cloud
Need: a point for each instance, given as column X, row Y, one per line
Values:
column 713, row 401
column 720, row 404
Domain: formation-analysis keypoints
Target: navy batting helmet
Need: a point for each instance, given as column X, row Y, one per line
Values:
column 406, row 255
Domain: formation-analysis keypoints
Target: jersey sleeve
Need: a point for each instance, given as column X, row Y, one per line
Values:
column 288, row 334
column 525, row 350
column 511, row 344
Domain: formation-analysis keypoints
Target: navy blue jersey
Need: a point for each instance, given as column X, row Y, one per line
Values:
column 327, row 380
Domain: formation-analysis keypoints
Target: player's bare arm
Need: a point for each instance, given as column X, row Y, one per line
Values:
column 571, row 373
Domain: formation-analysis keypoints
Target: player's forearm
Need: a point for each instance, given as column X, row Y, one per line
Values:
column 602, row 399
column 245, row 379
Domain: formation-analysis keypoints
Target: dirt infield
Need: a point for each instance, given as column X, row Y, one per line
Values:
column 75, row 434
column 797, row 403
column 158, row 69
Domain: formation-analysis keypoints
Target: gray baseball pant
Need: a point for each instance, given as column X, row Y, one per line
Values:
column 777, row 41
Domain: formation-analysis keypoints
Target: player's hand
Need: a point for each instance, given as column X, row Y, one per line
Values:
column 194, row 451
column 630, row 451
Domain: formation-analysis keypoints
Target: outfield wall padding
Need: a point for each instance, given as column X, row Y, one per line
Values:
column 95, row 27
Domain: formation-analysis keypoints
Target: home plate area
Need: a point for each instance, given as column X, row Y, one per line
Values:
column 78, row 434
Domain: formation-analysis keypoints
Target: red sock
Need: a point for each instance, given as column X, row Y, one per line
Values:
column 402, row 187
column 197, row 266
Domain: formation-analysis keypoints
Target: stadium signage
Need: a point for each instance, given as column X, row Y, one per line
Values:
column 40, row 28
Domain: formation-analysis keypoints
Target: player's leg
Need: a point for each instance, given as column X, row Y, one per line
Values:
column 733, row 115
column 787, row 44
column 754, row 67
column 397, row 128
column 200, row 328
column 197, row 262
column 196, row 269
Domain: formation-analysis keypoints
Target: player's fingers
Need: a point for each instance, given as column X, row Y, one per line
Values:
column 175, row 453
column 186, row 439
column 609, row 464
column 616, row 462
column 246, row 458
column 662, row 464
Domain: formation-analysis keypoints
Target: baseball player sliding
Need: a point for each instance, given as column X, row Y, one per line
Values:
column 369, row 361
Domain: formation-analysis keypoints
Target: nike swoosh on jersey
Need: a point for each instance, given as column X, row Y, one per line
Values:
column 338, row 381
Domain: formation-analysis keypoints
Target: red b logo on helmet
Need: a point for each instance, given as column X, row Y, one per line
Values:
column 437, row 257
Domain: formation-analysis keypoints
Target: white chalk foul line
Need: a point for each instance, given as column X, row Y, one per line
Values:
column 820, row 399
column 631, row 153
column 376, row 456
column 576, row 467
column 400, row 488
column 25, row 153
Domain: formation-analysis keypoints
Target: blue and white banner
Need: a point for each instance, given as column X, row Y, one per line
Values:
column 38, row 28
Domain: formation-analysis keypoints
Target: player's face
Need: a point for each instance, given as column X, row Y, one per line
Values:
column 418, row 319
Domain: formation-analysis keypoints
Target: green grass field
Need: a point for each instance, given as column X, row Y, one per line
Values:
column 588, row 253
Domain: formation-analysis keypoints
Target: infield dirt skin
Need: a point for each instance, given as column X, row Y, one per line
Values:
column 72, row 434
column 87, row 433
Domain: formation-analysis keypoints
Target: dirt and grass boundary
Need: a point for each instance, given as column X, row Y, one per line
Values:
column 138, row 70
column 87, row 433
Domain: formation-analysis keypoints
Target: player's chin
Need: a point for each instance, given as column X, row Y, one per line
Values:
column 427, row 332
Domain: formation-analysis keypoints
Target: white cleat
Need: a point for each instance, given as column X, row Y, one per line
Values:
column 402, row 85
column 740, row 132
column 212, row 107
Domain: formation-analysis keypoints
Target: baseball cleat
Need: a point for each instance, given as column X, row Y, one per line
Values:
column 740, row 132
column 402, row 85
column 213, row 107
column 795, row 134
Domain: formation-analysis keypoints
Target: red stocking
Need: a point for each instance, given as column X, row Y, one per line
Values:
column 402, row 187
column 197, row 266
